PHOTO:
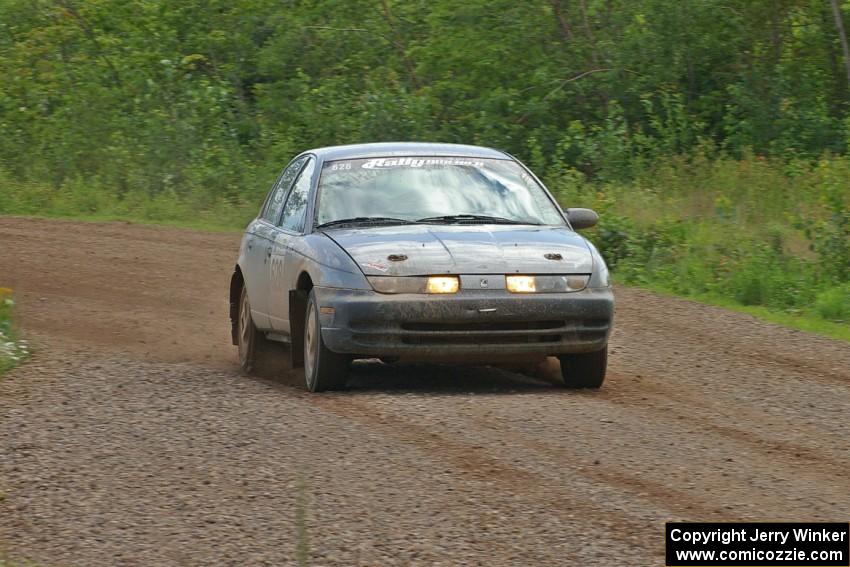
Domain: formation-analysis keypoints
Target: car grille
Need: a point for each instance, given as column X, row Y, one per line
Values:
column 486, row 326
column 503, row 332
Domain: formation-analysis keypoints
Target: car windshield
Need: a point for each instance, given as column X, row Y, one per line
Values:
column 433, row 189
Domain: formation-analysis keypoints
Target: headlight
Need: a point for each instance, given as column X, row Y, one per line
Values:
column 451, row 284
column 443, row 284
column 521, row 284
column 433, row 284
column 546, row 284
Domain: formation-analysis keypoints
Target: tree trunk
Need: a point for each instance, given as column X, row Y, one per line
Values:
column 839, row 24
column 566, row 30
column 400, row 46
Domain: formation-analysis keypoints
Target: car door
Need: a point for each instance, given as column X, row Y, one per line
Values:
column 290, row 226
column 259, row 238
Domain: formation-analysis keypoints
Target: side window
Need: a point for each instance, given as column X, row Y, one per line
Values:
column 274, row 204
column 296, row 204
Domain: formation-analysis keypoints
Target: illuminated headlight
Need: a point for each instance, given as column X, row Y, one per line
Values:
column 433, row 284
column 443, row 284
column 546, row 284
column 521, row 284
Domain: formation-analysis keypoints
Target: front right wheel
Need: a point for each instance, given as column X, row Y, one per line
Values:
column 584, row 369
column 323, row 368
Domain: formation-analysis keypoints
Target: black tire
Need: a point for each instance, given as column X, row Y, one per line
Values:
column 257, row 355
column 585, row 369
column 323, row 368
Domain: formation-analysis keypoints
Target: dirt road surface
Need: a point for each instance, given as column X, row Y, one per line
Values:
column 130, row 438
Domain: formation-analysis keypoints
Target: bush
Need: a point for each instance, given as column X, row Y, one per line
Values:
column 759, row 232
column 834, row 303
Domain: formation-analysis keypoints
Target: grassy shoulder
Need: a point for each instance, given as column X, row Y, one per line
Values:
column 803, row 322
column 13, row 349
column 203, row 223
column 77, row 200
column 766, row 237
column 809, row 322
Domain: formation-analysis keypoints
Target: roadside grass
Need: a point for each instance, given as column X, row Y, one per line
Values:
column 809, row 322
column 203, row 222
column 766, row 237
column 13, row 349
column 78, row 200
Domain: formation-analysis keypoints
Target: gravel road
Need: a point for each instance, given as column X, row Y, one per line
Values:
column 130, row 438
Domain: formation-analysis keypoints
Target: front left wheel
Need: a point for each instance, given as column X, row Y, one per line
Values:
column 323, row 368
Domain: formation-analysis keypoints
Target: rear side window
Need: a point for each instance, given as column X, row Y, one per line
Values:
column 274, row 204
column 296, row 204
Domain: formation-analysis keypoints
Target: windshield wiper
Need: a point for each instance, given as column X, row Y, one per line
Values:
column 448, row 219
column 364, row 220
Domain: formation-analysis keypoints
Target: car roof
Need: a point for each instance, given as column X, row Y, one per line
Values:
column 387, row 149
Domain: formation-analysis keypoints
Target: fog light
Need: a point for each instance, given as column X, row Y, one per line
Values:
column 443, row 284
column 521, row 284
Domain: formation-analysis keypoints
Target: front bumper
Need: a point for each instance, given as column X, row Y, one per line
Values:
column 466, row 325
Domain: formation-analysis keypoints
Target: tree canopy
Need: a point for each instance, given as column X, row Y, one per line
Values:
column 212, row 95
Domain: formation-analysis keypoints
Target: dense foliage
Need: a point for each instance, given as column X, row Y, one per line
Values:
column 756, row 231
column 712, row 131
column 157, row 95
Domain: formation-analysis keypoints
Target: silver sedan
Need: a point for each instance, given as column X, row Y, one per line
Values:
column 418, row 252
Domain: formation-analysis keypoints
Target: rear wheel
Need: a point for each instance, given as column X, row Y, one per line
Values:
column 257, row 355
column 323, row 368
column 584, row 369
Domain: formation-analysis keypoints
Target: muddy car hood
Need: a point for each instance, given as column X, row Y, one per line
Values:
column 465, row 249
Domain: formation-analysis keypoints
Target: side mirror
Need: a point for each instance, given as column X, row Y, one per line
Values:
column 582, row 218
